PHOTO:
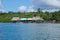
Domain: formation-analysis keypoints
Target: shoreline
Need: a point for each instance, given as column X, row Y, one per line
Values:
column 28, row 22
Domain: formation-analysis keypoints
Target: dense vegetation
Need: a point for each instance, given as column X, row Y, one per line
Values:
column 6, row 17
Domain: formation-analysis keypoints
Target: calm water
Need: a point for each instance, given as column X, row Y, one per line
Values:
column 21, row 31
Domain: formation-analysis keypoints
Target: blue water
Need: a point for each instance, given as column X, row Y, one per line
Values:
column 30, row 31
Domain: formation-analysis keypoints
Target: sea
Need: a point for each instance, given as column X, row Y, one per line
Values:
column 29, row 31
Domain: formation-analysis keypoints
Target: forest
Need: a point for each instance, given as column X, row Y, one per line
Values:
column 7, row 16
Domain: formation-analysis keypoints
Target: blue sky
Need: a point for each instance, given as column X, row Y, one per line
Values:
column 30, row 5
column 12, row 5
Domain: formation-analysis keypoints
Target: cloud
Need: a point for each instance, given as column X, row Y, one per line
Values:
column 46, row 4
column 30, row 9
column 22, row 8
column 53, row 3
column 51, row 10
column 0, row 3
column 25, row 8
column 1, row 10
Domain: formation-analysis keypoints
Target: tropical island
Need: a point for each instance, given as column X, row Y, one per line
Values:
column 47, row 16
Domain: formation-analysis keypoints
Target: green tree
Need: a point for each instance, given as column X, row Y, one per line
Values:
column 39, row 12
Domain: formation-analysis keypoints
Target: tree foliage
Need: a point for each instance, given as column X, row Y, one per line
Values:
column 7, row 16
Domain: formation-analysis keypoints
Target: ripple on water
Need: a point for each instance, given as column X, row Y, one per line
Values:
column 22, row 31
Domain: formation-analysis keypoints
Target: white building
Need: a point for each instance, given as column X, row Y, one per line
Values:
column 15, row 19
column 37, row 18
column 33, row 19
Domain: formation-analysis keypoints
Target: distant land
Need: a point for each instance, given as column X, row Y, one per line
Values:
column 7, row 16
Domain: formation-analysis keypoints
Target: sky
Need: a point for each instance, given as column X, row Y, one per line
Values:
column 29, row 5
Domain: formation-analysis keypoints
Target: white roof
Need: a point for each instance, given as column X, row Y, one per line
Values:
column 37, row 18
column 15, row 18
column 34, row 18
column 29, row 18
column 23, row 18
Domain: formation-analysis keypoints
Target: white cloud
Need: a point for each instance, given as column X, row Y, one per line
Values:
column 30, row 9
column 51, row 10
column 2, row 10
column 22, row 8
column 53, row 2
column 46, row 4
column 0, row 3
column 27, row 9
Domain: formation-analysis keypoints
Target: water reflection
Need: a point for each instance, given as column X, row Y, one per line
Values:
column 19, row 31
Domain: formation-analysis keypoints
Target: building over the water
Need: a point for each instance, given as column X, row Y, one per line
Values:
column 37, row 18
column 15, row 19
column 33, row 19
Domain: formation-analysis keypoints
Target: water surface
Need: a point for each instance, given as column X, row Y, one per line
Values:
column 30, row 31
